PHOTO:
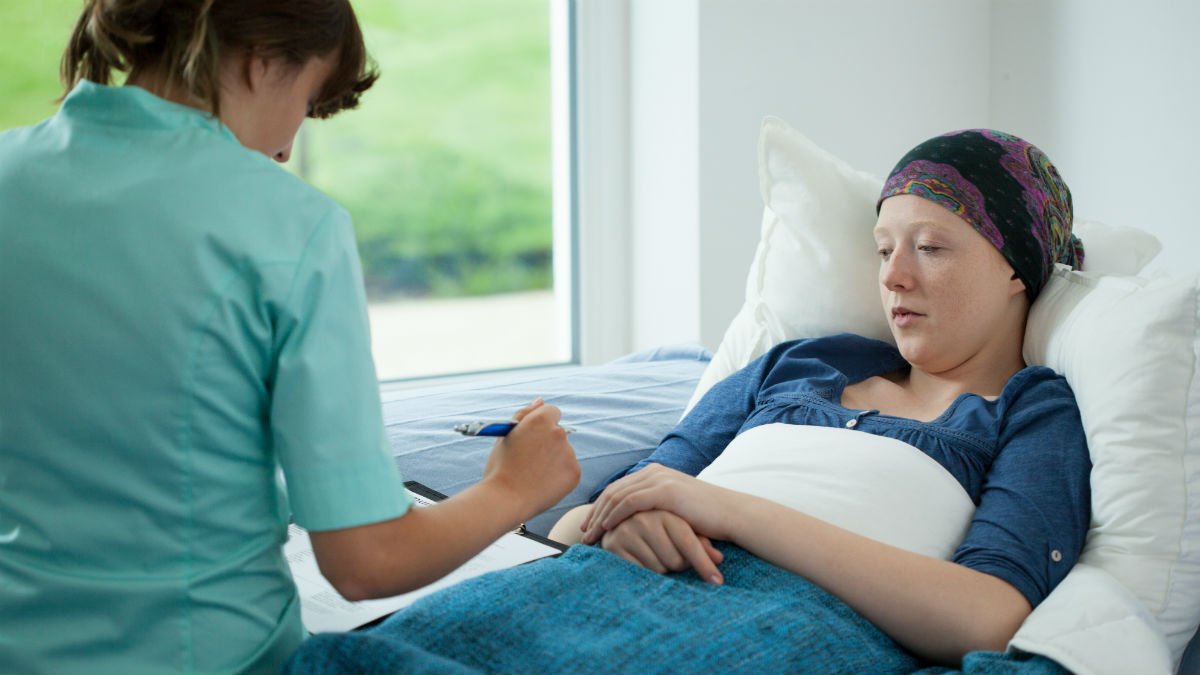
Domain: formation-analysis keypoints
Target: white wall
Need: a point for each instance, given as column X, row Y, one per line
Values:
column 1109, row 89
column 854, row 75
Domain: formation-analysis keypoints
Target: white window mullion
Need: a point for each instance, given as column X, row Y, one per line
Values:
column 602, row 180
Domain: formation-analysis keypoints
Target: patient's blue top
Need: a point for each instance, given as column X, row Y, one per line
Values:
column 1022, row 457
column 179, row 318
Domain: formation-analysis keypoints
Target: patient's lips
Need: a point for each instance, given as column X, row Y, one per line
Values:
column 903, row 316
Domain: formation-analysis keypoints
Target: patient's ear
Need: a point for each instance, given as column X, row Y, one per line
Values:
column 1016, row 285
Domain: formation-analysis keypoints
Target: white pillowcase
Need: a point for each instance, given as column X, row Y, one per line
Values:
column 815, row 271
column 1115, row 249
column 1127, row 346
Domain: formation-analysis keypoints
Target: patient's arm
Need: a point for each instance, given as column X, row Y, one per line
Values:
column 937, row 609
column 567, row 530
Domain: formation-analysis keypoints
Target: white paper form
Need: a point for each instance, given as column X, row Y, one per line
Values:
column 322, row 609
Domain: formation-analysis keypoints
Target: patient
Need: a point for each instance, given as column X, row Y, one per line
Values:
column 951, row 557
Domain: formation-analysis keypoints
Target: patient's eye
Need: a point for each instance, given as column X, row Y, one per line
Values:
column 929, row 248
column 883, row 253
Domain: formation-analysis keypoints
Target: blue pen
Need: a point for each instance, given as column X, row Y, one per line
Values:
column 493, row 428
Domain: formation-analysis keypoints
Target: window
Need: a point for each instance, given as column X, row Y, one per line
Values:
column 32, row 38
column 455, row 169
column 448, row 169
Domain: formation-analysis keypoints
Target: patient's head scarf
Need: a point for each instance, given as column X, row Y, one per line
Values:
column 1005, row 187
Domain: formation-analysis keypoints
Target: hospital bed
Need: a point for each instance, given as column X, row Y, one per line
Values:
column 1127, row 345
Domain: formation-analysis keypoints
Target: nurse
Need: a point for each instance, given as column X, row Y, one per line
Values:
column 179, row 319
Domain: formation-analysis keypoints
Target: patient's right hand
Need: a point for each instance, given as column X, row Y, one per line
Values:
column 663, row 542
column 534, row 462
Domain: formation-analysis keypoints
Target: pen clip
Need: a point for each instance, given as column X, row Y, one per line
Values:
column 494, row 428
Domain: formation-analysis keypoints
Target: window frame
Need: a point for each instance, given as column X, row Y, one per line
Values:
column 602, row 188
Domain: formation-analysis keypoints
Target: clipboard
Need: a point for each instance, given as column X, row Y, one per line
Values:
column 322, row 609
column 426, row 491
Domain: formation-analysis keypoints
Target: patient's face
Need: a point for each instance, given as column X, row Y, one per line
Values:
column 948, row 294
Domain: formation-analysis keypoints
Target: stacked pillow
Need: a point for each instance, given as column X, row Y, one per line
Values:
column 1128, row 348
column 1126, row 345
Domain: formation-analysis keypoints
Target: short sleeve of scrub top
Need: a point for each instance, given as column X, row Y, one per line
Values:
column 326, row 418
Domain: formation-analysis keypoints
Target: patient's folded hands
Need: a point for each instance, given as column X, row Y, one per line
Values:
column 655, row 518
column 663, row 542
column 707, row 508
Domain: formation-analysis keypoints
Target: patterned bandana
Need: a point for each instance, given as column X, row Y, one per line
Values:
column 1005, row 188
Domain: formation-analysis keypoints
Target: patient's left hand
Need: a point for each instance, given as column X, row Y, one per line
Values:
column 663, row 542
column 706, row 508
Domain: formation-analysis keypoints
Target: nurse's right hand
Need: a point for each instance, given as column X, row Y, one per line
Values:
column 534, row 461
column 528, row 472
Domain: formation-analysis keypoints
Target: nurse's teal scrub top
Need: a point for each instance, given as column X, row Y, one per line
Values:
column 179, row 317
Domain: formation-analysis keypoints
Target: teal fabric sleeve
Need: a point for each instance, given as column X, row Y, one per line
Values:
column 326, row 420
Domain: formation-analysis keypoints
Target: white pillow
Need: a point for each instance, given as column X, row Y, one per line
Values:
column 1093, row 625
column 1128, row 347
column 1114, row 249
column 815, row 271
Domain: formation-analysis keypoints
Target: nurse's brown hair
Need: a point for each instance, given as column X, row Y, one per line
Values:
column 185, row 40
